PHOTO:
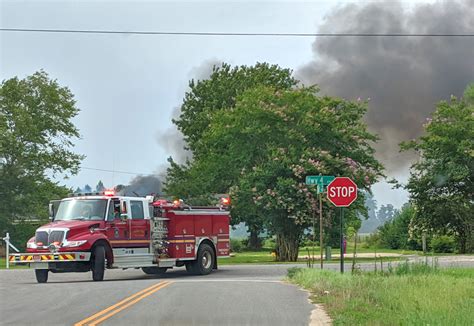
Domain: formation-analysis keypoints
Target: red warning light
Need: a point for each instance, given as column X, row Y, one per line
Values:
column 225, row 201
column 109, row 193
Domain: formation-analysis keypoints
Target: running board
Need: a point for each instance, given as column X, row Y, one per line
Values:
column 132, row 261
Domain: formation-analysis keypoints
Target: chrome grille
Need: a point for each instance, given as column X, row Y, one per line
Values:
column 47, row 239
column 56, row 236
column 42, row 236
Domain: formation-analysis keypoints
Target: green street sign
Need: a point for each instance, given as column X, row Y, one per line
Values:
column 321, row 181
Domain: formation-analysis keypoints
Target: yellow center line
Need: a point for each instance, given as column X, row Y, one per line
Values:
column 119, row 306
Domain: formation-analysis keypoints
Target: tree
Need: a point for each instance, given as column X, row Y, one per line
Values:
column 263, row 148
column 100, row 186
column 36, row 138
column 206, row 97
column 386, row 213
column 395, row 232
column 87, row 188
column 220, row 91
column 441, row 182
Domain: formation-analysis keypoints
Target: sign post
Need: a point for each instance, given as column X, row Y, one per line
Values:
column 342, row 192
column 321, row 181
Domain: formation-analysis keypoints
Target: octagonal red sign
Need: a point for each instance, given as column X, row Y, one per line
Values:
column 342, row 192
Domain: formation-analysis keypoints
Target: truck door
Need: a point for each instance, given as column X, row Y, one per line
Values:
column 139, row 224
column 118, row 227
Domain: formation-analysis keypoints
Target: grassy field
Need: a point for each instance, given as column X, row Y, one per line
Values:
column 264, row 256
column 411, row 294
column 2, row 265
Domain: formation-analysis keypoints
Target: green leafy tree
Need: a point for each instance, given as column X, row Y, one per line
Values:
column 395, row 232
column 36, row 138
column 218, row 93
column 441, row 182
column 270, row 141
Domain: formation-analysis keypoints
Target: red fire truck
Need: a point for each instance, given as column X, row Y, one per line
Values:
column 98, row 231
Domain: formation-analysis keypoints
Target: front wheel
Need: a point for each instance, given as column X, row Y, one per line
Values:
column 98, row 263
column 41, row 275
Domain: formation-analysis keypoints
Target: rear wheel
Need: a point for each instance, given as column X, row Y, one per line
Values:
column 98, row 263
column 154, row 270
column 205, row 261
column 41, row 275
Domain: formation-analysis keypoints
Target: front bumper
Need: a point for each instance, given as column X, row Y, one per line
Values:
column 44, row 258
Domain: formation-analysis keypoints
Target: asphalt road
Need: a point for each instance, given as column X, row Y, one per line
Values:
column 232, row 295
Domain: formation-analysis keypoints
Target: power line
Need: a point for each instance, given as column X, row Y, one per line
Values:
column 120, row 172
column 84, row 31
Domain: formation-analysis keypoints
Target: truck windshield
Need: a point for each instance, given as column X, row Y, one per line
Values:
column 81, row 209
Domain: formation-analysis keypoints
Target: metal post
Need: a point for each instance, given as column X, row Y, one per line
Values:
column 314, row 239
column 342, row 239
column 7, row 251
column 321, row 227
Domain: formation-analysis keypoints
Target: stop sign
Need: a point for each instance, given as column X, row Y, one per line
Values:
column 342, row 192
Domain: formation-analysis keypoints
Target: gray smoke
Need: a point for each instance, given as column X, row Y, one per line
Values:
column 142, row 186
column 171, row 139
column 403, row 76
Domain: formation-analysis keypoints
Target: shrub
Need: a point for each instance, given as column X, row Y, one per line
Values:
column 394, row 233
column 372, row 240
column 236, row 245
column 443, row 244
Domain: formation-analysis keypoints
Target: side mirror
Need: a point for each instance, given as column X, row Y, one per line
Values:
column 51, row 211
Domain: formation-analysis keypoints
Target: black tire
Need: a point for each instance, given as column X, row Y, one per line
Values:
column 98, row 263
column 205, row 260
column 41, row 275
column 154, row 270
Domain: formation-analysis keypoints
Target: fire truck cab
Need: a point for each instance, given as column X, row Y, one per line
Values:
column 94, row 232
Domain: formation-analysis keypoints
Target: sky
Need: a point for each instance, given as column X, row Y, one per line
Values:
column 129, row 86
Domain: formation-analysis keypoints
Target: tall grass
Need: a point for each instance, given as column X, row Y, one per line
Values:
column 409, row 294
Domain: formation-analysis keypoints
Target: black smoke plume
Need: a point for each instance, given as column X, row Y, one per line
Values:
column 142, row 186
column 171, row 139
column 404, row 77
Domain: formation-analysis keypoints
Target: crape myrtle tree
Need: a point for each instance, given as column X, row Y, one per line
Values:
column 274, row 138
column 441, row 182
column 207, row 97
column 36, row 138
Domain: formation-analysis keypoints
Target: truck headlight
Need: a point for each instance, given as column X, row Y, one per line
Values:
column 76, row 243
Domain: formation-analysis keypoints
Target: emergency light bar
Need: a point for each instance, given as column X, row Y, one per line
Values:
column 97, row 193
